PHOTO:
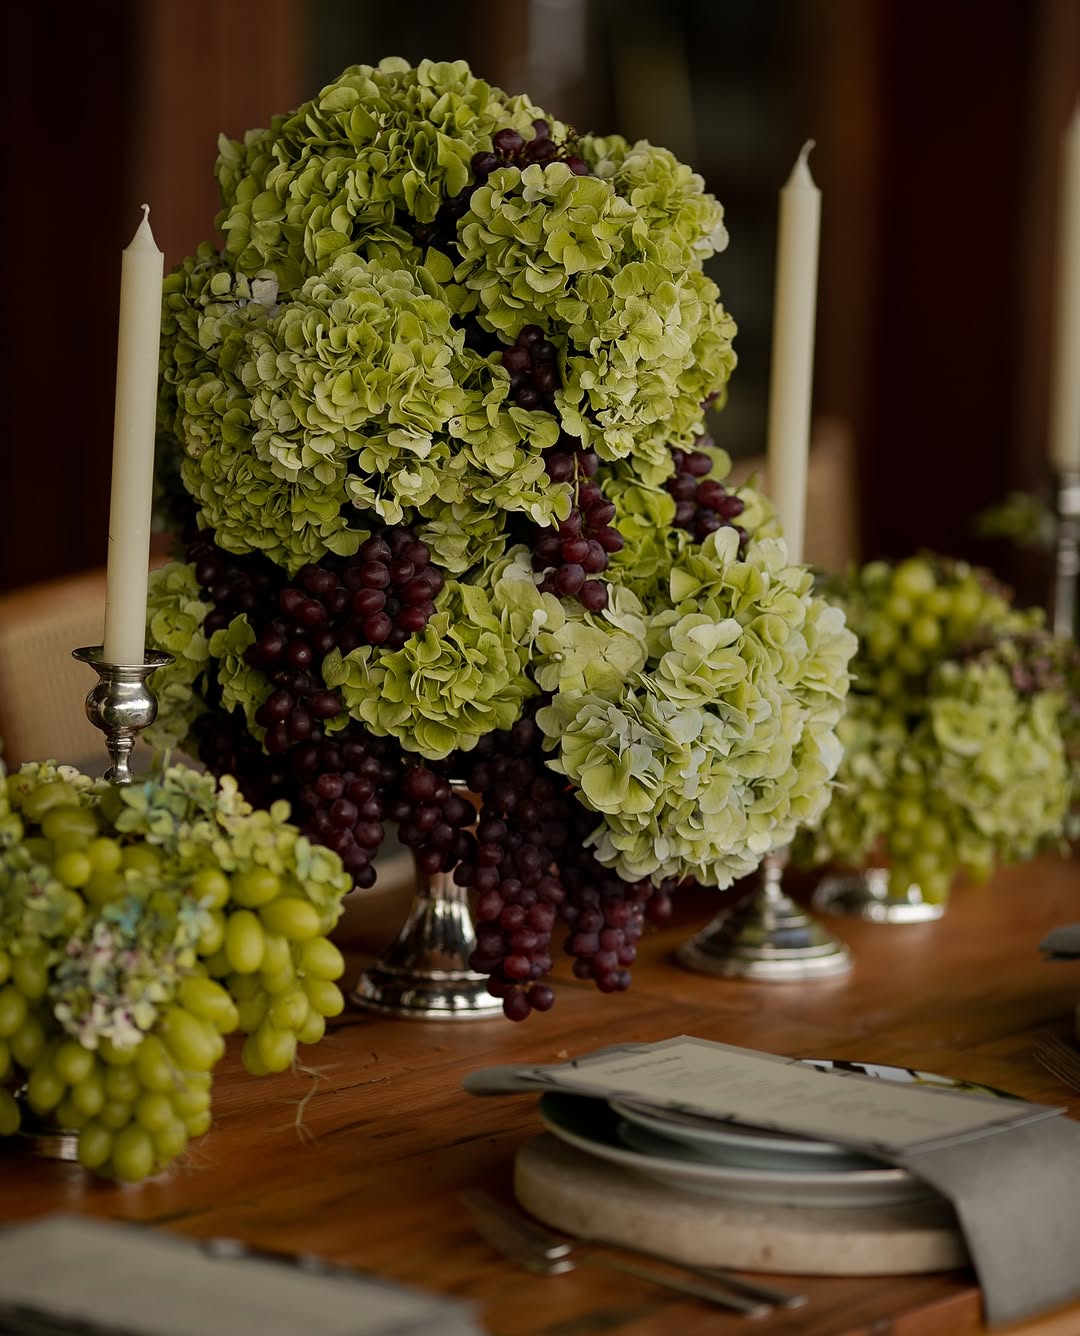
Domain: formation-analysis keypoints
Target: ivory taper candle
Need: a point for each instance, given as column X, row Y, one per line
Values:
column 792, row 372
column 1065, row 385
column 141, row 274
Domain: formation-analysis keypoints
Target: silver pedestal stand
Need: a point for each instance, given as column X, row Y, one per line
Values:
column 1067, row 560
column 766, row 937
column 51, row 1143
column 424, row 973
column 869, row 895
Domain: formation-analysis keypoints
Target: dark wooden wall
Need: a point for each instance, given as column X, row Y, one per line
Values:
column 68, row 76
column 938, row 126
column 108, row 106
column 952, row 414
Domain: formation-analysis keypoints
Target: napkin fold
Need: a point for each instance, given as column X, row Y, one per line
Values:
column 1017, row 1196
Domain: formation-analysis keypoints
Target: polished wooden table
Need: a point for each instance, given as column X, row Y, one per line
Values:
column 359, row 1158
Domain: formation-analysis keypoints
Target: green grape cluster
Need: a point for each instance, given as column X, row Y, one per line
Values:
column 954, row 740
column 267, row 948
column 138, row 928
column 912, row 614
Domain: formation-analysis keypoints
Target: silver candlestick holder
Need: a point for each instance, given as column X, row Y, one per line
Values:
column 766, row 937
column 121, row 703
column 1067, row 556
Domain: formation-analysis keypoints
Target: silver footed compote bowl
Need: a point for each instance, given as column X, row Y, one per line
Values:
column 873, row 894
column 766, row 937
column 424, row 974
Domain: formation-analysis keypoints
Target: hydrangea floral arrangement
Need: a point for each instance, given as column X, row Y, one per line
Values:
column 138, row 926
column 960, row 728
column 432, row 431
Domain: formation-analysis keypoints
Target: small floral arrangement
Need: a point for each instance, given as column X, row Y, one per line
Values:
column 138, row 927
column 960, row 728
column 432, row 426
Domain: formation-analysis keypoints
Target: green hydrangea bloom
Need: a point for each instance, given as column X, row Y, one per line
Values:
column 175, row 612
column 316, row 369
column 462, row 534
column 460, row 678
column 643, row 337
column 569, row 649
column 1002, row 756
column 358, row 395
column 646, row 514
column 724, row 743
column 335, row 174
column 681, row 219
column 241, row 685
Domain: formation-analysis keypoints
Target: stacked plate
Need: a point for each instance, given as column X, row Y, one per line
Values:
column 730, row 1160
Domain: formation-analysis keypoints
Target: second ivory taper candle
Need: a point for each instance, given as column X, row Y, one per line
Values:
column 131, row 502
column 791, row 375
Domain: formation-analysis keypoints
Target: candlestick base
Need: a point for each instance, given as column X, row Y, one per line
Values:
column 121, row 704
column 1067, row 558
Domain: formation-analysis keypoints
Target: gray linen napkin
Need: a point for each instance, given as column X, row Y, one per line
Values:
column 1017, row 1194
column 1062, row 943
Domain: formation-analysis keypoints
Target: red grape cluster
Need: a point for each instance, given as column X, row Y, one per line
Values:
column 234, row 584
column 576, row 550
column 336, row 783
column 530, row 867
column 702, row 504
column 604, row 913
column 226, row 747
column 381, row 596
column 339, row 783
column 434, row 819
column 520, row 837
column 534, row 370
column 511, row 149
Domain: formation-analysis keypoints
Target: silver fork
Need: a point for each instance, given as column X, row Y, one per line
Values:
column 1059, row 1058
column 537, row 1248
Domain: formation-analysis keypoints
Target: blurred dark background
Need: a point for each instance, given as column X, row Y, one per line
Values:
column 938, row 129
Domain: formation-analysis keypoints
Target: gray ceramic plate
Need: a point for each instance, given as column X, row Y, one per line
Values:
column 593, row 1126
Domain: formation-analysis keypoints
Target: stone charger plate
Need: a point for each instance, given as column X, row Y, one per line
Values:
column 579, row 1193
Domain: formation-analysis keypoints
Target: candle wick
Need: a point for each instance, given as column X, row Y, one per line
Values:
column 803, row 154
column 146, row 207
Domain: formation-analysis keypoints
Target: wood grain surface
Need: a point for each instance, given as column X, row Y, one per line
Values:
column 358, row 1157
